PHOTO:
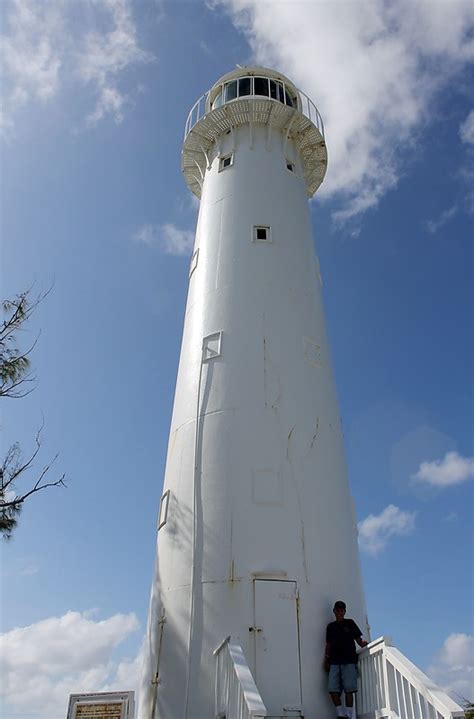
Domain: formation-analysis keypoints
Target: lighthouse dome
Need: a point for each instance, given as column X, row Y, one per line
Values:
column 253, row 81
column 253, row 96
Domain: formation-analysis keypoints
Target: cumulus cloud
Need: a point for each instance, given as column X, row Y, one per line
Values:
column 453, row 666
column 376, row 530
column 434, row 225
column 48, row 45
column 169, row 238
column 31, row 54
column 451, row 470
column 373, row 69
column 105, row 55
column 466, row 131
column 43, row 663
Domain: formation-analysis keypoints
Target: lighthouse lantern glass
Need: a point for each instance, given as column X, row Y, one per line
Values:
column 231, row 90
column 218, row 100
column 261, row 86
column 253, row 86
column 245, row 86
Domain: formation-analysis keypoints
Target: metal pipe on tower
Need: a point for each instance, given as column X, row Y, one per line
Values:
column 257, row 532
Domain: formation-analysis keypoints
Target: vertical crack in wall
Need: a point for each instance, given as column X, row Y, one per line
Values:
column 231, row 559
column 265, row 370
column 298, row 500
column 316, row 432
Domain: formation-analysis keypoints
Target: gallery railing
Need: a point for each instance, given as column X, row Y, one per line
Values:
column 306, row 107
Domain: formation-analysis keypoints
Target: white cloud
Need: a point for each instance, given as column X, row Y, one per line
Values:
column 434, row 225
column 31, row 54
column 46, row 46
column 169, row 238
column 105, row 55
column 205, row 48
column 45, row 662
column 450, row 517
column 466, row 131
column 373, row 70
column 9, row 495
column 376, row 530
column 453, row 666
column 452, row 469
column 29, row 571
column 148, row 234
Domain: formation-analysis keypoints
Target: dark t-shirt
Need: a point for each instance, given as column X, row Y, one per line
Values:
column 340, row 637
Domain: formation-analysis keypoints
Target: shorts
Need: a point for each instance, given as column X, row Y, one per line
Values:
column 342, row 677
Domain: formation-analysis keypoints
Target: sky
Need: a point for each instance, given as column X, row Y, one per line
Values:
column 93, row 203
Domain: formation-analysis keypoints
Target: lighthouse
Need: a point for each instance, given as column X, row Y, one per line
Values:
column 256, row 531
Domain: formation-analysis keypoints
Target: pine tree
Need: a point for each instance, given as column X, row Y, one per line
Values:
column 16, row 381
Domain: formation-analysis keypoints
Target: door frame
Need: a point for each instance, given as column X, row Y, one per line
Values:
column 280, row 579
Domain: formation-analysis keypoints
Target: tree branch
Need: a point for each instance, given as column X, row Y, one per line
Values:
column 16, row 379
column 37, row 488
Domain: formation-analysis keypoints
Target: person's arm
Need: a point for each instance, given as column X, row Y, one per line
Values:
column 327, row 652
column 358, row 635
column 327, row 657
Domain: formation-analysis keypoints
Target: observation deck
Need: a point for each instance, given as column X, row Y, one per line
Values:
column 253, row 96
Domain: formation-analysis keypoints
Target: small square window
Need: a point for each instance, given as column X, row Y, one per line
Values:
column 290, row 166
column 261, row 233
column 226, row 161
column 163, row 515
column 211, row 346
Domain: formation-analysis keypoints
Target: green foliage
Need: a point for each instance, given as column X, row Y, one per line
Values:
column 16, row 380
column 15, row 377
column 8, row 517
column 10, row 504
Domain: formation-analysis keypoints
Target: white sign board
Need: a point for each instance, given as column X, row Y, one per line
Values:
column 102, row 705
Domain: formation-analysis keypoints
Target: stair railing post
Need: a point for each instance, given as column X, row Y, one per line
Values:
column 216, row 689
column 386, row 688
column 403, row 683
column 365, row 685
column 410, row 697
column 418, row 704
column 360, row 699
column 397, row 692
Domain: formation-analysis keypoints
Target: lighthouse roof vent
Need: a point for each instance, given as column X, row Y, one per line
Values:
column 256, row 96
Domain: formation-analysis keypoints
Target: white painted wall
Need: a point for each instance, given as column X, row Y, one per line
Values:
column 267, row 464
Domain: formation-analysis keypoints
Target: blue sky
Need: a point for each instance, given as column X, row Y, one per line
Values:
column 96, row 94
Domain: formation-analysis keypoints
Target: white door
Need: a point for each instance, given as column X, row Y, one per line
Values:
column 277, row 660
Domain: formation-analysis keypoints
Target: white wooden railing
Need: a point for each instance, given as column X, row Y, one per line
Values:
column 391, row 686
column 237, row 696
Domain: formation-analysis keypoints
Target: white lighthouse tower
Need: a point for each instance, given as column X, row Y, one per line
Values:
column 257, row 529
